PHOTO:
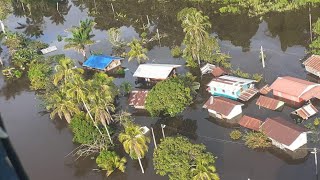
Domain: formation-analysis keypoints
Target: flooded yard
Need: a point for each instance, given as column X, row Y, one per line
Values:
column 43, row 144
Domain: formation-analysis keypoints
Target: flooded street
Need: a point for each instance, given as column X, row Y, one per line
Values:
column 43, row 144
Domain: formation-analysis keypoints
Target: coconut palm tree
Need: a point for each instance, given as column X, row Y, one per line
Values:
column 109, row 161
column 65, row 71
column 81, row 37
column 137, row 51
column 204, row 170
column 61, row 106
column 134, row 142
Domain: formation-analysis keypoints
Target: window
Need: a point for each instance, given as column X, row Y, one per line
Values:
column 232, row 93
column 223, row 90
column 214, row 89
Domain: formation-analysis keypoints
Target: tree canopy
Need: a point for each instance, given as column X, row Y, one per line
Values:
column 178, row 158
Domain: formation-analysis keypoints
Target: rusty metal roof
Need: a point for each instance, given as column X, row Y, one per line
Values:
column 221, row 105
column 248, row 94
column 269, row 103
column 306, row 111
column 137, row 98
column 250, row 123
column 281, row 130
column 218, row 71
column 265, row 89
column 313, row 62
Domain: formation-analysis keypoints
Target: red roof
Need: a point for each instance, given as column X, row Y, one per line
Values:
column 313, row 62
column 265, row 89
column 282, row 130
column 306, row 111
column 221, row 105
column 292, row 86
column 269, row 103
column 137, row 98
column 250, row 123
column 218, row 71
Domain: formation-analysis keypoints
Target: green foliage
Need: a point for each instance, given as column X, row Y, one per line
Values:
column 170, row 96
column 5, row 9
column 12, row 73
column 110, row 161
column 83, row 130
column 176, row 52
column 178, row 158
column 15, row 41
column 255, row 140
column 315, row 44
column 120, row 71
column 114, row 37
column 240, row 73
column 39, row 74
column 257, row 77
column 125, row 88
column 59, row 38
column 235, row 135
column 316, row 122
column 137, row 51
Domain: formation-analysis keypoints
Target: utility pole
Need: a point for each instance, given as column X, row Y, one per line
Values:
column 154, row 139
column 310, row 24
column 315, row 159
column 114, row 14
column 162, row 128
column 262, row 57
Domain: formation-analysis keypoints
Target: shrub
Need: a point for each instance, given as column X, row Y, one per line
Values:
column 120, row 71
column 59, row 38
column 255, row 140
column 316, row 121
column 125, row 87
column 257, row 77
column 235, row 135
column 38, row 74
column 176, row 52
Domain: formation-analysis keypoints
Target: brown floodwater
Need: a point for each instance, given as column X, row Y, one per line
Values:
column 43, row 144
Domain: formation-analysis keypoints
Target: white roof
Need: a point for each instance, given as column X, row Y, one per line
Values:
column 207, row 68
column 49, row 49
column 229, row 82
column 154, row 71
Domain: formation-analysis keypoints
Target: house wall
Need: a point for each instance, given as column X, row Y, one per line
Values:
column 214, row 113
column 226, row 92
column 113, row 64
column 293, row 100
column 277, row 144
column 235, row 112
column 312, row 71
column 300, row 141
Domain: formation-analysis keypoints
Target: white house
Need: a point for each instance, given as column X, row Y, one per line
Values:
column 155, row 72
column 284, row 134
column 223, row 108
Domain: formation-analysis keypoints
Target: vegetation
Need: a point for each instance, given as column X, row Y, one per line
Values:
column 235, row 135
column 137, row 51
column 125, row 88
column 39, row 74
column 114, row 37
column 110, row 161
column 176, row 52
column 5, row 9
column 315, row 44
column 81, row 37
column 178, row 158
column 316, row 122
column 257, row 77
column 134, row 142
column 255, row 140
column 170, row 96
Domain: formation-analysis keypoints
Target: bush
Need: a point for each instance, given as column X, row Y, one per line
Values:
column 59, row 38
column 125, row 87
column 176, row 52
column 255, row 140
column 240, row 73
column 257, row 77
column 120, row 71
column 38, row 74
column 235, row 135
column 109, row 161
column 316, row 121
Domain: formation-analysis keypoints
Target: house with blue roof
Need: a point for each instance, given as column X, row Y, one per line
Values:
column 102, row 62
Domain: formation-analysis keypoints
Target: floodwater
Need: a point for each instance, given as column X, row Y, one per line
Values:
column 43, row 144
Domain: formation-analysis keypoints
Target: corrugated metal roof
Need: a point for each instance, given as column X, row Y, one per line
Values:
column 306, row 111
column 282, row 130
column 221, row 105
column 219, row 71
column 250, row 123
column 248, row 94
column 207, row 68
column 269, row 103
column 265, row 89
column 137, row 98
column 313, row 62
column 229, row 82
column 99, row 61
column 154, row 71
column 292, row 86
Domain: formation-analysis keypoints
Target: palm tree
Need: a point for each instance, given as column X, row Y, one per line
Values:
column 137, row 51
column 62, row 106
column 109, row 161
column 65, row 71
column 134, row 142
column 204, row 170
column 81, row 37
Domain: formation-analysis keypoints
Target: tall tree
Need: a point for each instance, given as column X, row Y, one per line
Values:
column 204, row 170
column 65, row 71
column 81, row 37
column 137, row 51
column 109, row 161
column 134, row 142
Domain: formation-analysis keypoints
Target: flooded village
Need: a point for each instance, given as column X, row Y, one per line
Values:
column 81, row 104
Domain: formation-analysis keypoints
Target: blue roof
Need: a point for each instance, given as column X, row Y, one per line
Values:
column 99, row 61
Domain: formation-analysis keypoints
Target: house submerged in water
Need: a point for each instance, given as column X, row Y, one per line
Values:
column 232, row 87
column 102, row 62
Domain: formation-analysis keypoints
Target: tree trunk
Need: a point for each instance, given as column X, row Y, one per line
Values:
column 142, row 170
column 108, row 134
column 85, row 106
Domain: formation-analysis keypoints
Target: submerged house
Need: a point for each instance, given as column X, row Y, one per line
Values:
column 232, row 87
column 223, row 108
column 306, row 111
column 284, row 134
column 137, row 98
column 312, row 65
column 295, row 91
column 269, row 103
column 155, row 72
column 102, row 62
column 250, row 123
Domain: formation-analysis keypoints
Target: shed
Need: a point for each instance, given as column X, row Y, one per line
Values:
column 219, row 71
column 269, row 103
column 223, row 108
column 250, row 123
column 265, row 89
column 312, row 65
column 207, row 68
column 155, row 72
column 102, row 62
column 137, row 98
column 284, row 134
column 295, row 91
column 306, row 111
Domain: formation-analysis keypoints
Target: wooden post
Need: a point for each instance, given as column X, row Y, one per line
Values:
column 262, row 57
column 162, row 128
column 154, row 139
column 310, row 24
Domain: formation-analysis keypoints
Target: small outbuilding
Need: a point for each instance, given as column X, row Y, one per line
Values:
column 306, row 111
column 250, row 123
column 312, row 65
column 223, row 108
column 137, row 98
column 155, row 72
column 219, row 71
column 269, row 103
column 265, row 89
column 284, row 134
column 102, row 62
